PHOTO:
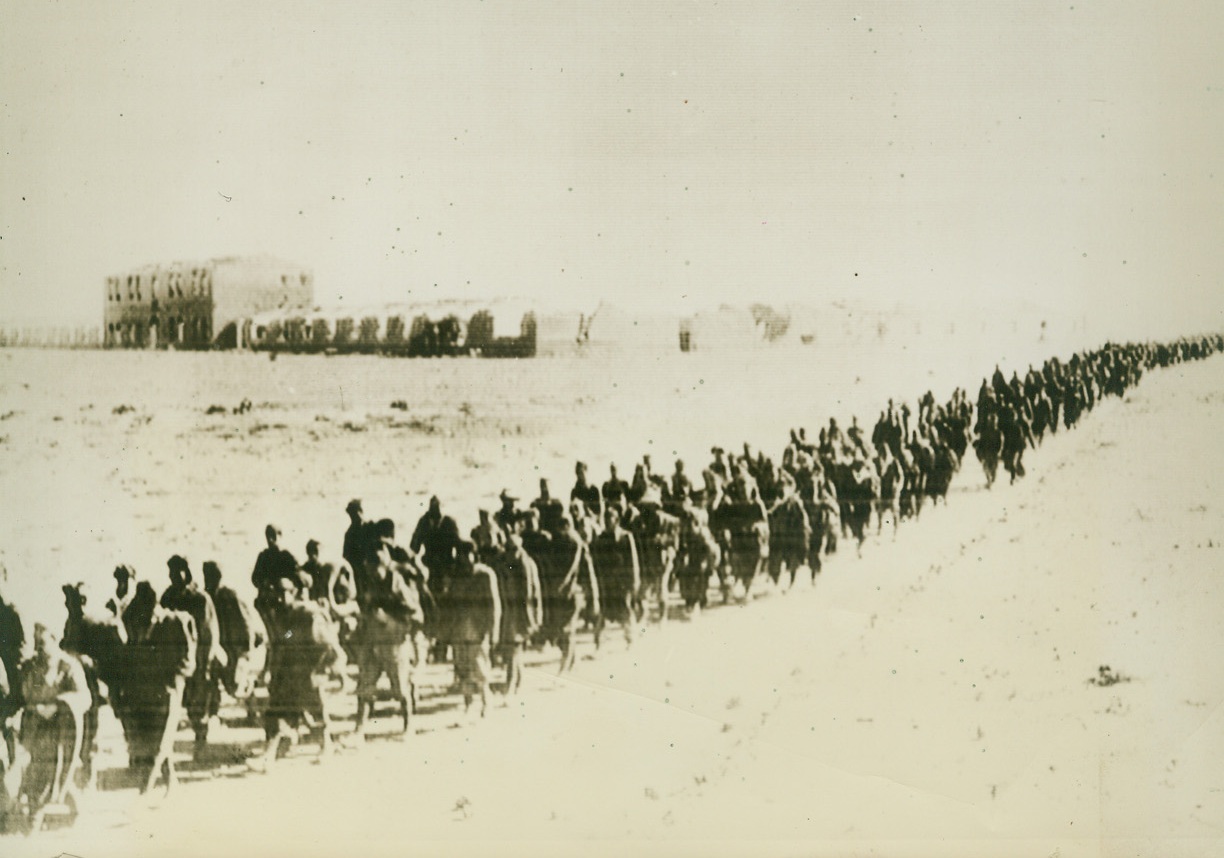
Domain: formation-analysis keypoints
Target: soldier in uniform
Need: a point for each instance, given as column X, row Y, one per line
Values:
column 892, row 480
column 12, row 642
column 125, row 589
column 476, row 625
column 658, row 542
column 272, row 564
column 434, row 540
column 614, row 488
column 790, row 533
column 388, row 635
column 681, row 485
column 242, row 636
column 699, row 555
column 550, row 508
column 161, row 654
column 518, row 580
column 615, row 559
column 570, row 587
column 356, row 536
column 199, row 692
column 56, row 698
column 488, row 538
column 304, row 650
column 507, row 516
column 320, row 573
column 585, row 492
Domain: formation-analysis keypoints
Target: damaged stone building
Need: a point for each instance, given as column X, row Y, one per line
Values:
column 199, row 305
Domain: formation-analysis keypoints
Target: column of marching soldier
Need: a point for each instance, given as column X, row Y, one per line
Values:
column 532, row 577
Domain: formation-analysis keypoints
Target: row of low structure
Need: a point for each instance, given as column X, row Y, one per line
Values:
column 491, row 329
column 504, row 328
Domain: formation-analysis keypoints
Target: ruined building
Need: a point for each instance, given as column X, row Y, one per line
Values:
column 199, row 305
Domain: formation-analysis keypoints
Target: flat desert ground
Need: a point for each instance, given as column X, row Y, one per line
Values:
column 930, row 698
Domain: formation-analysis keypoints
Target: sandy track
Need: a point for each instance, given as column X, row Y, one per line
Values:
column 932, row 698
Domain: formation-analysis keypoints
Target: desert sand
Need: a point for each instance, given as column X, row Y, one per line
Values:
column 932, row 698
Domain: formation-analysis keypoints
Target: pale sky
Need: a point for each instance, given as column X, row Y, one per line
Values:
column 1070, row 154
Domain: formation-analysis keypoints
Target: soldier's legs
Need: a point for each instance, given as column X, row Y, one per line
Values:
column 665, row 583
column 369, row 669
column 203, row 700
column 472, row 672
column 565, row 641
column 794, row 561
column 481, row 675
column 514, row 666
column 597, row 628
column 815, row 545
column 316, row 717
column 164, row 719
column 400, row 673
column 774, row 564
